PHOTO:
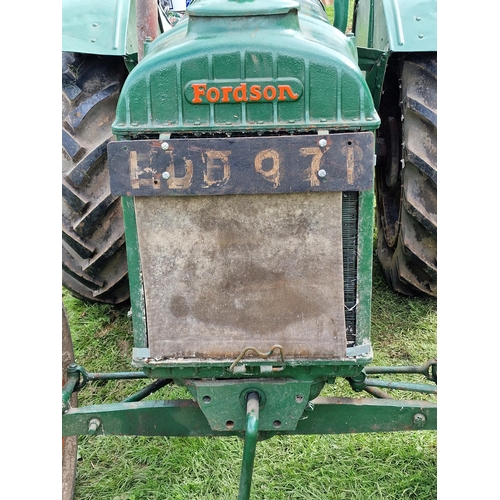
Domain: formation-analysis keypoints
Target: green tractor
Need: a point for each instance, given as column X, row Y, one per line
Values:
column 221, row 165
column 396, row 47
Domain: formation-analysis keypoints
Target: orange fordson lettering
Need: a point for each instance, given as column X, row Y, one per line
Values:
column 232, row 92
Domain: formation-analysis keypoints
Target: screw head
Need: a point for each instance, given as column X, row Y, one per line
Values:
column 321, row 173
column 165, row 175
column 309, row 406
column 164, row 146
column 419, row 419
column 322, row 143
column 94, row 425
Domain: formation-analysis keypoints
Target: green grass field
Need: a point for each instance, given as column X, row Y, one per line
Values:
column 363, row 466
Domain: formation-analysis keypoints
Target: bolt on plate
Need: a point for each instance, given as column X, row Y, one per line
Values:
column 419, row 419
column 94, row 425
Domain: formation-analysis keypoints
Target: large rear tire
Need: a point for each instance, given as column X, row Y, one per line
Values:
column 406, row 176
column 94, row 265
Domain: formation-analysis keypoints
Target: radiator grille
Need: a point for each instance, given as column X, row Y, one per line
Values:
column 349, row 249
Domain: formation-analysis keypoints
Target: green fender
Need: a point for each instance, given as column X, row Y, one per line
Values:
column 105, row 27
column 411, row 26
column 397, row 25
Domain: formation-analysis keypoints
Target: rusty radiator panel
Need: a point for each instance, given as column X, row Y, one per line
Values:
column 224, row 273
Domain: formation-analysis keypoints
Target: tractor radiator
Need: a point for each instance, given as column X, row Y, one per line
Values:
column 247, row 242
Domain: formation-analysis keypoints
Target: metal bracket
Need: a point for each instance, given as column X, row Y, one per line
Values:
column 282, row 402
column 358, row 350
column 251, row 435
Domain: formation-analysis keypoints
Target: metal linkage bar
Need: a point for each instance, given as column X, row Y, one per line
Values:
column 428, row 370
column 84, row 377
column 78, row 379
column 150, row 389
column 402, row 386
column 250, row 446
column 377, row 393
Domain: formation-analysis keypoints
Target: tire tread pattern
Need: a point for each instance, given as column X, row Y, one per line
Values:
column 410, row 265
column 94, row 265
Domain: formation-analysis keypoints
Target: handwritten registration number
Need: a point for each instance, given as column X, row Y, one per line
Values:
column 242, row 165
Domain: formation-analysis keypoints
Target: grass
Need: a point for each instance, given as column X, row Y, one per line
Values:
column 331, row 14
column 363, row 466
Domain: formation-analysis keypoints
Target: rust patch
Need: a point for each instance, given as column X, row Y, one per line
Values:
column 255, row 299
column 179, row 306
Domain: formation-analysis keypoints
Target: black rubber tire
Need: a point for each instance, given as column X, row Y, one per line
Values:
column 406, row 175
column 69, row 443
column 94, row 265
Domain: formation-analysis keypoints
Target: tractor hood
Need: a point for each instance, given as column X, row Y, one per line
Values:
column 247, row 65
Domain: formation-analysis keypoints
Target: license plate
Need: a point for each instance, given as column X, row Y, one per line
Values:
column 242, row 165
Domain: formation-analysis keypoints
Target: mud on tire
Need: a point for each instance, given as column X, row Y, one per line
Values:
column 406, row 176
column 94, row 263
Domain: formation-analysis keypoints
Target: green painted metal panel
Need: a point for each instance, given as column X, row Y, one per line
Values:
column 307, row 369
column 282, row 402
column 134, row 274
column 185, row 418
column 412, row 26
column 341, row 10
column 405, row 26
column 224, row 8
column 397, row 25
column 363, row 23
column 282, row 67
column 106, row 27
